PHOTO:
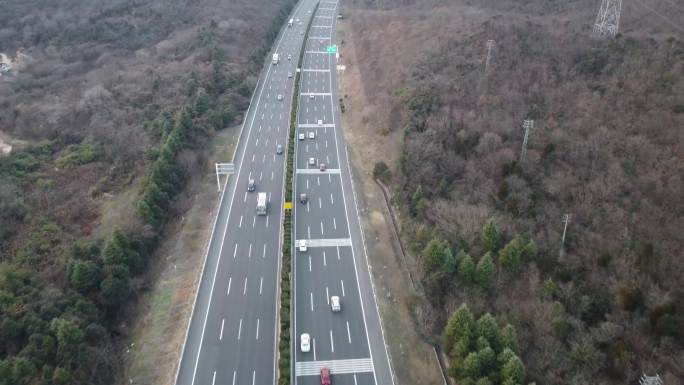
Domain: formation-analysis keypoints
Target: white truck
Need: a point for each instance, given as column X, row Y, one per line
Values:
column 289, row 23
column 262, row 205
column 276, row 58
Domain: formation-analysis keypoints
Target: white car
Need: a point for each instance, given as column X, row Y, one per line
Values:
column 301, row 136
column 289, row 74
column 335, row 303
column 280, row 97
column 320, row 122
column 289, row 57
column 311, row 96
column 312, row 135
column 305, row 343
column 302, row 245
column 312, row 161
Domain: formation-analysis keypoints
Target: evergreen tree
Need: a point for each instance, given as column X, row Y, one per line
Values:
column 508, row 338
column 490, row 238
column 513, row 372
column 436, row 254
column 84, row 276
column 486, row 271
column 510, row 256
column 417, row 204
column 488, row 328
column 460, row 328
column 487, row 359
column 472, row 367
column 467, row 269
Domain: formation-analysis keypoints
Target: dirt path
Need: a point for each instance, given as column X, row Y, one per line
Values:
column 413, row 359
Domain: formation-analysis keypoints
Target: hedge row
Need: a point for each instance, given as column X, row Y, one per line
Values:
column 284, row 363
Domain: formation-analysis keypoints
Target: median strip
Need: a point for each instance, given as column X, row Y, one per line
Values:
column 284, row 364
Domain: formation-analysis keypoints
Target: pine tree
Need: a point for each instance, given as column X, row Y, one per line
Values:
column 417, row 203
column 508, row 338
column 513, row 372
column 436, row 254
column 459, row 329
column 486, row 271
column 467, row 269
column 487, row 327
column 490, row 238
column 510, row 256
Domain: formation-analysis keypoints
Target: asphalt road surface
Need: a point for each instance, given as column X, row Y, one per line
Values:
column 231, row 338
column 349, row 342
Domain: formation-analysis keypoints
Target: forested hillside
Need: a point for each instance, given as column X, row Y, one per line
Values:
column 486, row 224
column 109, row 108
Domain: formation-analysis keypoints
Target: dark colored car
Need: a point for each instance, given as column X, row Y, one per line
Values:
column 325, row 376
column 303, row 198
column 251, row 185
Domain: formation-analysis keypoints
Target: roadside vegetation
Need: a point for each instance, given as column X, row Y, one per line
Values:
column 68, row 288
column 486, row 226
column 285, row 344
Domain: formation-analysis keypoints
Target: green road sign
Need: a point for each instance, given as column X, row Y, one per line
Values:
column 331, row 48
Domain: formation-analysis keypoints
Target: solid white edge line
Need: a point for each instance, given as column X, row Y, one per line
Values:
column 365, row 251
column 337, row 150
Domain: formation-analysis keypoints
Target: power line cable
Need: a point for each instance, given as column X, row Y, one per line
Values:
column 678, row 6
column 680, row 29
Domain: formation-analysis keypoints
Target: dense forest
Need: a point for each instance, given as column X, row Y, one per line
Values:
column 605, row 305
column 109, row 99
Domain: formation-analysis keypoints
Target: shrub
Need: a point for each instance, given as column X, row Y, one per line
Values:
column 381, row 172
column 78, row 154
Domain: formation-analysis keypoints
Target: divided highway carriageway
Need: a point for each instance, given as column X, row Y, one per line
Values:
column 233, row 330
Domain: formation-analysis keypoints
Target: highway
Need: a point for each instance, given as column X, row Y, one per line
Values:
column 349, row 342
column 232, row 334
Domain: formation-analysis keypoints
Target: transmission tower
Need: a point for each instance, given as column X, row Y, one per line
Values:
column 490, row 45
column 650, row 380
column 527, row 125
column 608, row 18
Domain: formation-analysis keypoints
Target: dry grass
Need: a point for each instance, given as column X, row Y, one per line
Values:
column 412, row 357
column 164, row 311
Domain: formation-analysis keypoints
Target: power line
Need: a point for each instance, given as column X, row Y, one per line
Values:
column 661, row 16
column 674, row 5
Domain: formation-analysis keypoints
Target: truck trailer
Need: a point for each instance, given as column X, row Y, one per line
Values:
column 262, row 204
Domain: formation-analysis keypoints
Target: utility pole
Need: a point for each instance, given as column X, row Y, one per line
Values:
column 528, row 124
column 608, row 18
column 566, row 219
column 490, row 45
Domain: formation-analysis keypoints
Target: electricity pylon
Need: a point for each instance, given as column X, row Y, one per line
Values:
column 608, row 18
